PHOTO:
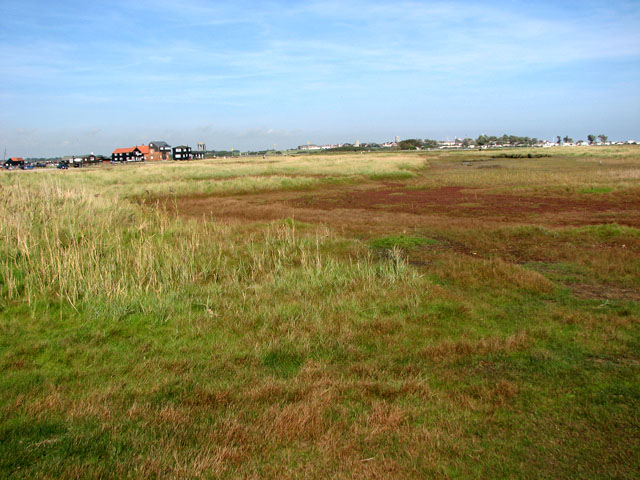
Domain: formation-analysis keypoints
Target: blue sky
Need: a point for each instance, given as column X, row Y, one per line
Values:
column 93, row 76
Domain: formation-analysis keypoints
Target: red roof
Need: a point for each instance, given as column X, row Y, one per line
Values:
column 144, row 149
column 123, row 150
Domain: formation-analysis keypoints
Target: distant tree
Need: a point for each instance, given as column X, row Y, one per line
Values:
column 559, row 140
column 567, row 139
column 487, row 140
column 482, row 140
column 512, row 140
column 410, row 144
column 603, row 138
column 467, row 142
column 428, row 143
column 591, row 138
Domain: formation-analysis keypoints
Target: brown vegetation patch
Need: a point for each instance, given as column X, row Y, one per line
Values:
column 391, row 207
column 385, row 418
column 459, row 201
column 485, row 346
column 494, row 273
column 488, row 396
column 296, row 421
column 605, row 292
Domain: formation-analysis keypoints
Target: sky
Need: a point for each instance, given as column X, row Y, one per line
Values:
column 79, row 77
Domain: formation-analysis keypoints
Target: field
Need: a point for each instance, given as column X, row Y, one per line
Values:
column 377, row 315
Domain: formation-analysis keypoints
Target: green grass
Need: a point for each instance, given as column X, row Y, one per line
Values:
column 401, row 241
column 392, row 176
column 596, row 190
column 136, row 344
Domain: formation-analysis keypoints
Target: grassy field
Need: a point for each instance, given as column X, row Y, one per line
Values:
column 387, row 315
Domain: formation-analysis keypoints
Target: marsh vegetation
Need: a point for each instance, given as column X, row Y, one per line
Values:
column 396, row 315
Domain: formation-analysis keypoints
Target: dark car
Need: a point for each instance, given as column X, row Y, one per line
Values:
column 63, row 165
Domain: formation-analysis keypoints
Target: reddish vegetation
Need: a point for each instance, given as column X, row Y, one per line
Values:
column 459, row 201
column 394, row 206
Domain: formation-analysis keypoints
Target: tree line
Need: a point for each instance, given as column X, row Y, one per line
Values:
column 492, row 140
column 482, row 140
column 590, row 138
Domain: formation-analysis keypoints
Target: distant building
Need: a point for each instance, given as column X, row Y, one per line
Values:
column 133, row 154
column 200, row 152
column 73, row 160
column 397, row 139
column 182, row 152
column 159, row 151
column 309, row 147
column 14, row 162
column 92, row 159
column 357, row 144
column 145, row 150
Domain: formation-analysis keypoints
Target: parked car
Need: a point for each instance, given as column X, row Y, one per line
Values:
column 27, row 166
column 63, row 165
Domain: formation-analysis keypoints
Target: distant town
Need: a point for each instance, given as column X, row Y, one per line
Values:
column 156, row 151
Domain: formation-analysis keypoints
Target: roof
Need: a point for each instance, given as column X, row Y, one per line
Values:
column 160, row 144
column 123, row 150
column 142, row 148
column 15, row 159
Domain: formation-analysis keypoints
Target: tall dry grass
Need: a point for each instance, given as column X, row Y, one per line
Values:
column 73, row 244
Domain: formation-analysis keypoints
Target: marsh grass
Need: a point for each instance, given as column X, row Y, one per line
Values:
column 225, row 176
column 138, row 344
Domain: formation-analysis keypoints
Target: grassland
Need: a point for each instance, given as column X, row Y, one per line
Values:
column 417, row 315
